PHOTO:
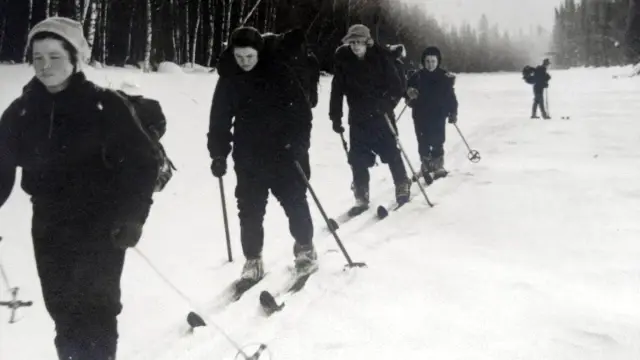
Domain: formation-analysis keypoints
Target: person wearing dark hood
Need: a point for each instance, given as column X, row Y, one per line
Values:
column 270, row 112
column 432, row 97
column 366, row 76
column 91, row 172
column 541, row 81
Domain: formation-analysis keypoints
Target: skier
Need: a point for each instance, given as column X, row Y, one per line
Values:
column 541, row 81
column 432, row 97
column 365, row 74
column 91, row 173
column 272, row 128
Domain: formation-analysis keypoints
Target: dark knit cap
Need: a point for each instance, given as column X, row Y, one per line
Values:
column 247, row 36
column 431, row 51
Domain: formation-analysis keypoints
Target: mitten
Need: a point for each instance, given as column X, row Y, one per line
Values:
column 337, row 127
column 219, row 166
column 126, row 234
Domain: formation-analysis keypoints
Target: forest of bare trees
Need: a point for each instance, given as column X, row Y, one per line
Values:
column 147, row 32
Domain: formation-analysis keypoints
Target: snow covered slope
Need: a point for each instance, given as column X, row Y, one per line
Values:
column 530, row 254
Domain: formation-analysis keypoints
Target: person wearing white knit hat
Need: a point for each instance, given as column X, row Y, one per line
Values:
column 90, row 171
column 57, row 49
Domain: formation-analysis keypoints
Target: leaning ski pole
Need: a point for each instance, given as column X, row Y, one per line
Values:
column 546, row 101
column 197, row 309
column 406, row 105
column 406, row 158
column 329, row 222
column 14, row 304
column 344, row 146
column 225, row 218
column 474, row 155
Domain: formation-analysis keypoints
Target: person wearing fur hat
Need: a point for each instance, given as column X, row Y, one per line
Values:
column 432, row 97
column 90, row 172
column 270, row 112
column 541, row 81
column 366, row 76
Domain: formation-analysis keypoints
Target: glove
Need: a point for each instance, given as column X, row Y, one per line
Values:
column 337, row 127
column 126, row 234
column 219, row 166
column 412, row 93
column 453, row 118
column 294, row 152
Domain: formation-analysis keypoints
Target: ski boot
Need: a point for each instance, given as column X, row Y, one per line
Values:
column 437, row 165
column 253, row 270
column 306, row 259
column 403, row 192
column 362, row 200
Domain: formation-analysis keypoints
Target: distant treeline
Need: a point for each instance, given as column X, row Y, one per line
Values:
column 147, row 32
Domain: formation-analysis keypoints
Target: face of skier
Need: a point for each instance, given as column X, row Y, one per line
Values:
column 359, row 47
column 246, row 57
column 52, row 63
column 430, row 62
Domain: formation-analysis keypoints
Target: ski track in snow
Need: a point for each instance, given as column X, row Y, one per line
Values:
column 529, row 254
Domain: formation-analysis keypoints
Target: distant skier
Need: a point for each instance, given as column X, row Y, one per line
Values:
column 432, row 97
column 540, row 82
column 366, row 75
column 270, row 112
column 91, row 172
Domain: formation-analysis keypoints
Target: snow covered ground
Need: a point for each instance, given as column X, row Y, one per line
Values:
column 530, row 254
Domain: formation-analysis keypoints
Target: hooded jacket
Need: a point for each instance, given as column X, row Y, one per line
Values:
column 267, row 108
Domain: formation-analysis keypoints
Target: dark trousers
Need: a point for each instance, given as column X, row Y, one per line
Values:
column 368, row 140
column 80, row 273
column 430, row 133
column 538, row 101
column 252, row 192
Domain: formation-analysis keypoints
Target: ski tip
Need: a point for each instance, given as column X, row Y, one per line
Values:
column 269, row 304
column 382, row 212
column 194, row 320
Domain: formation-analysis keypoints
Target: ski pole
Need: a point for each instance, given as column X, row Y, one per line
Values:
column 473, row 155
column 329, row 221
column 345, row 146
column 192, row 304
column 406, row 158
column 225, row 218
column 14, row 304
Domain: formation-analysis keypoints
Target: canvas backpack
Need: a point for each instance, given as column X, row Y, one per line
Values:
column 529, row 75
column 150, row 117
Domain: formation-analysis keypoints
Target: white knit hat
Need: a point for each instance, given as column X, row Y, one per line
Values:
column 68, row 29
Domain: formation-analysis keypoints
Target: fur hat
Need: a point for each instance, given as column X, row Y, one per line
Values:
column 358, row 32
column 68, row 29
column 247, row 36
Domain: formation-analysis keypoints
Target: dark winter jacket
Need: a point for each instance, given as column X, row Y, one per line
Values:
column 541, row 78
column 267, row 109
column 436, row 100
column 82, row 155
column 371, row 85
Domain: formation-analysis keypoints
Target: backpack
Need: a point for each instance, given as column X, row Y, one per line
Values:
column 291, row 50
column 529, row 75
column 397, row 54
column 149, row 115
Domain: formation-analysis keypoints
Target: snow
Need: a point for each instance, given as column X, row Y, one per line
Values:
column 529, row 254
column 167, row 67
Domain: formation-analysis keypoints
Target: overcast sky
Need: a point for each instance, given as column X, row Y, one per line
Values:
column 510, row 15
